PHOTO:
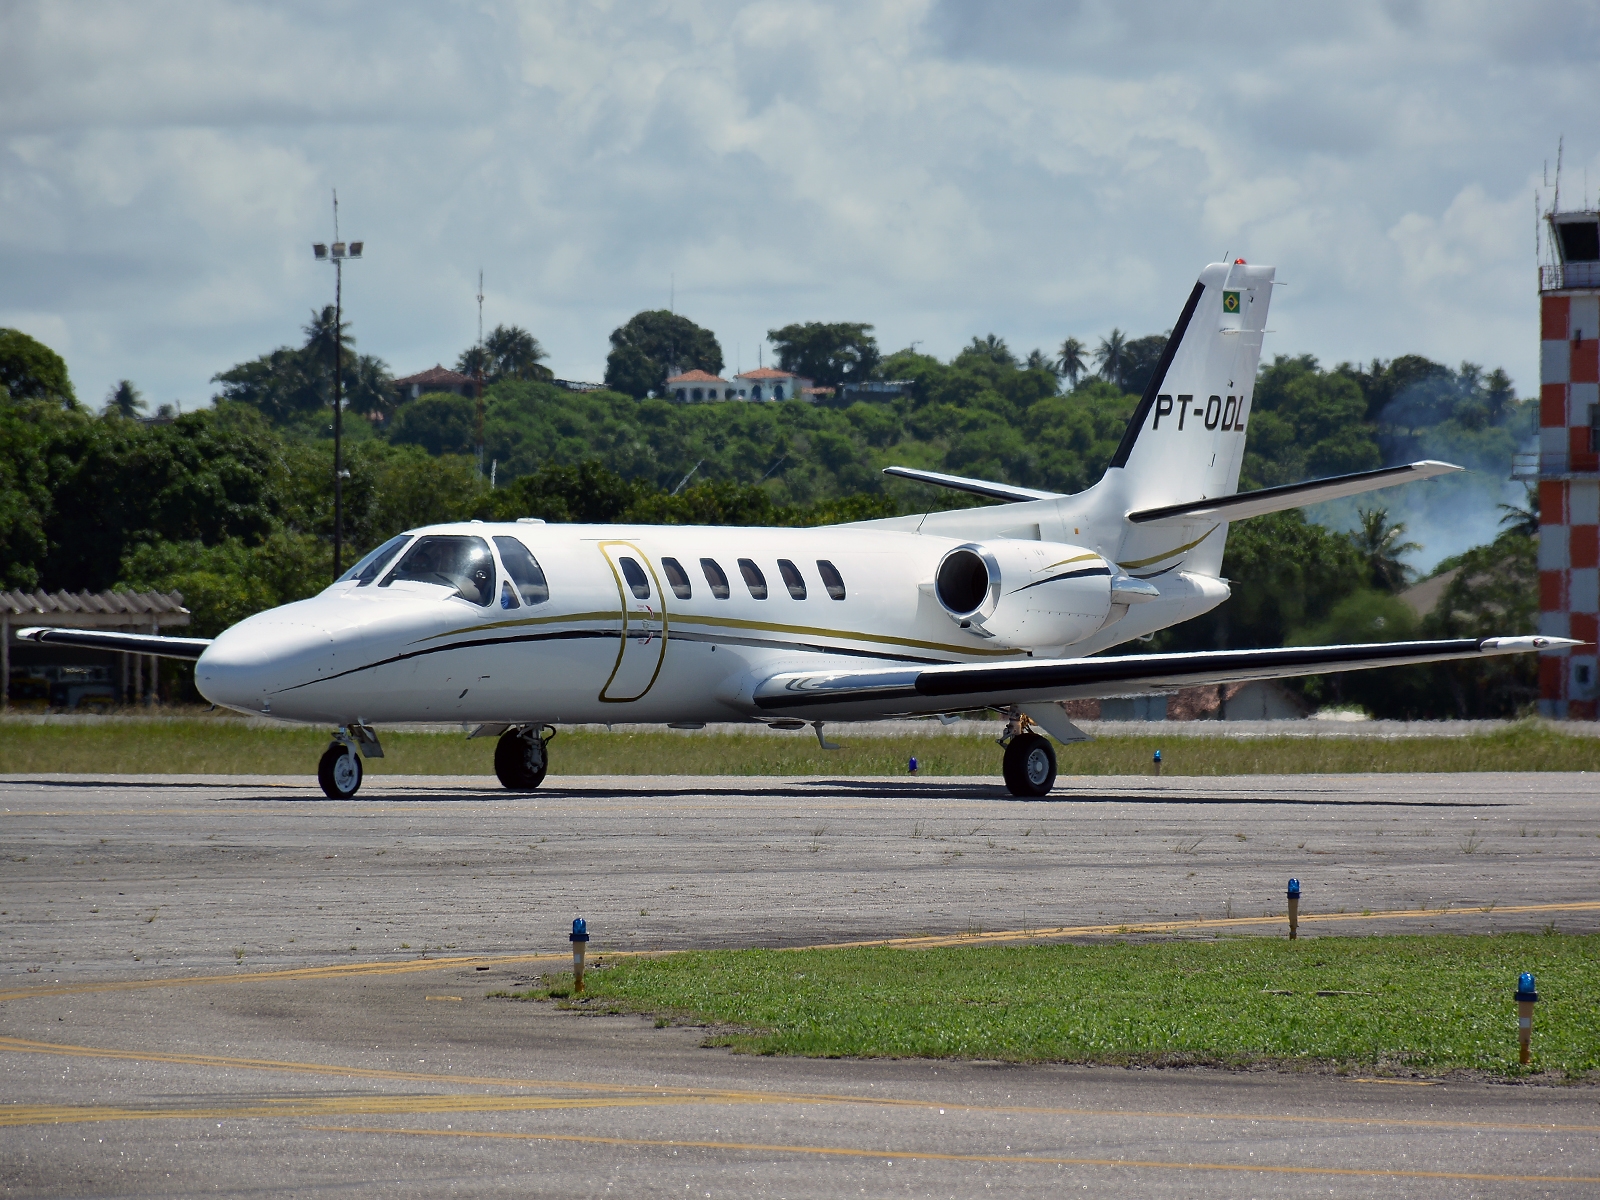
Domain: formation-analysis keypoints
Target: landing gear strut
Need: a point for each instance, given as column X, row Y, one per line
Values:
column 520, row 759
column 1029, row 765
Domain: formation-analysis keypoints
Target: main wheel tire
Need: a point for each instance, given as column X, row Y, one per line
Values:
column 1029, row 765
column 339, row 772
column 520, row 760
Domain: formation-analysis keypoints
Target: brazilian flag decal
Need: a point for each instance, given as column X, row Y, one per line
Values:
column 1230, row 302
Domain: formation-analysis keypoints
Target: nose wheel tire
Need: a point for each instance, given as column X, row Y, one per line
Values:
column 520, row 760
column 1029, row 765
column 339, row 772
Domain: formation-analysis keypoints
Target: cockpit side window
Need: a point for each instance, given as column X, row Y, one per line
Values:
column 454, row 561
column 370, row 567
column 524, row 570
column 638, row 583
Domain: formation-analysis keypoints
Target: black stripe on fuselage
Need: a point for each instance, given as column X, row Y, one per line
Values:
column 1066, row 575
column 672, row 635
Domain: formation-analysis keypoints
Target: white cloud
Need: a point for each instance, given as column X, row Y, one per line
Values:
column 1028, row 167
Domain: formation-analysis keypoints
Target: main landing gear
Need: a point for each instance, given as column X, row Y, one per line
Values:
column 1029, row 765
column 520, row 757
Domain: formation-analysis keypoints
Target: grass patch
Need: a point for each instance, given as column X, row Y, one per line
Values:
column 1424, row 1004
column 223, row 746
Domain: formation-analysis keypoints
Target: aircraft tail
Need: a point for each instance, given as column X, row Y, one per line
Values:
column 1185, row 440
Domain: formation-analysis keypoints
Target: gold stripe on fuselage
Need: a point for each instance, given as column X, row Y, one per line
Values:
column 1155, row 558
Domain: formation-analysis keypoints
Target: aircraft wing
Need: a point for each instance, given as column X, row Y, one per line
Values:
column 905, row 691
column 126, row 643
column 1276, row 499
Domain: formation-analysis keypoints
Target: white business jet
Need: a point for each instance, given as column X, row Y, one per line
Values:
column 518, row 627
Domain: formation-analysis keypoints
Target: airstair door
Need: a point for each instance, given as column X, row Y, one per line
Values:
column 643, row 643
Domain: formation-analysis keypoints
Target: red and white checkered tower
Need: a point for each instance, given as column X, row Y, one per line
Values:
column 1569, row 465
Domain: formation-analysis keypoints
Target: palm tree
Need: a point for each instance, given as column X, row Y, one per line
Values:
column 1072, row 363
column 994, row 348
column 1379, row 543
column 1522, row 518
column 125, row 400
column 515, row 354
column 1112, row 355
column 1038, row 360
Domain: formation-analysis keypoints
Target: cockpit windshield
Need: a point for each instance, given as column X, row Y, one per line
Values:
column 453, row 561
column 370, row 567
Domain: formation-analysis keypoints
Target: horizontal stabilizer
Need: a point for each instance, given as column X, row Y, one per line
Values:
column 905, row 691
column 125, row 643
column 978, row 487
column 1276, row 499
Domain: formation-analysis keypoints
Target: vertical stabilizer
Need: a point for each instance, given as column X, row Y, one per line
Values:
column 1185, row 441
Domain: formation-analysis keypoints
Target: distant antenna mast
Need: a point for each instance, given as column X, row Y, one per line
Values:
column 477, row 373
column 1555, row 203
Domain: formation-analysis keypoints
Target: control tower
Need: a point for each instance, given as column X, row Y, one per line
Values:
column 1569, row 461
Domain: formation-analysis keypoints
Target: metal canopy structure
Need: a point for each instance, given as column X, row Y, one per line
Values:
column 146, row 612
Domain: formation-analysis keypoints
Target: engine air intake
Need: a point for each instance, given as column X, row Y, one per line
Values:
column 962, row 583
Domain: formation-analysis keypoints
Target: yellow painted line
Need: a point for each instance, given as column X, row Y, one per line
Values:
column 441, row 997
column 1145, row 927
column 936, row 1156
column 1401, row 1082
column 739, row 1096
column 928, row 941
column 320, row 1106
column 337, row 971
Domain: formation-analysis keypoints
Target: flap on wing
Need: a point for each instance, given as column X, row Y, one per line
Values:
column 1294, row 495
column 125, row 643
column 978, row 487
column 946, row 688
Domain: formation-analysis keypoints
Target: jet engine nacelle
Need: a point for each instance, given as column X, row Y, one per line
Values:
column 1025, row 593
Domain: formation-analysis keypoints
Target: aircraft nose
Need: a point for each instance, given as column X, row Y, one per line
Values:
column 248, row 663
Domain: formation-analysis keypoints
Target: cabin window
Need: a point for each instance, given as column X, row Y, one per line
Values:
column 638, row 584
column 792, row 579
column 831, row 579
column 753, row 578
column 715, row 577
column 523, row 568
column 677, row 577
column 459, row 562
column 370, row 567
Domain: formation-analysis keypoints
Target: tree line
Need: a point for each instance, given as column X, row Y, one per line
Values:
column 231, row 504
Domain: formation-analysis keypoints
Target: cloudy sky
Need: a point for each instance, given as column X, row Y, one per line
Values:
column 942, row 170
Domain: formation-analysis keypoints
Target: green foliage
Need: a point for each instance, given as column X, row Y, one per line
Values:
column 294, row 386
column 830, row 354
column 654, row 344
column 30, row 370
column 224, row 583
column 509, row 352
column 439, row 422
column 1429, row 1004
column 1306, row 423
column 125, row 400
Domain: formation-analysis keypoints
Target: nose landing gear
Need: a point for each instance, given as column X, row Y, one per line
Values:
column 520, row 757
column 339, row 772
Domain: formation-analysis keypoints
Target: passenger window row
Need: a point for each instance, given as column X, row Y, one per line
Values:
column 754, row 581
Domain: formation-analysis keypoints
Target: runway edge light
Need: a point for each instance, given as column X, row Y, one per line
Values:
column 1294, row 909
column 580, row 947
column 1527, row 997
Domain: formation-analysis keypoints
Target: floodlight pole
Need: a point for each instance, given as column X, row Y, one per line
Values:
column 337, row 257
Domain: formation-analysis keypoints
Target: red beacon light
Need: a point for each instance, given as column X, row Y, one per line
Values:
column 1239, row 262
